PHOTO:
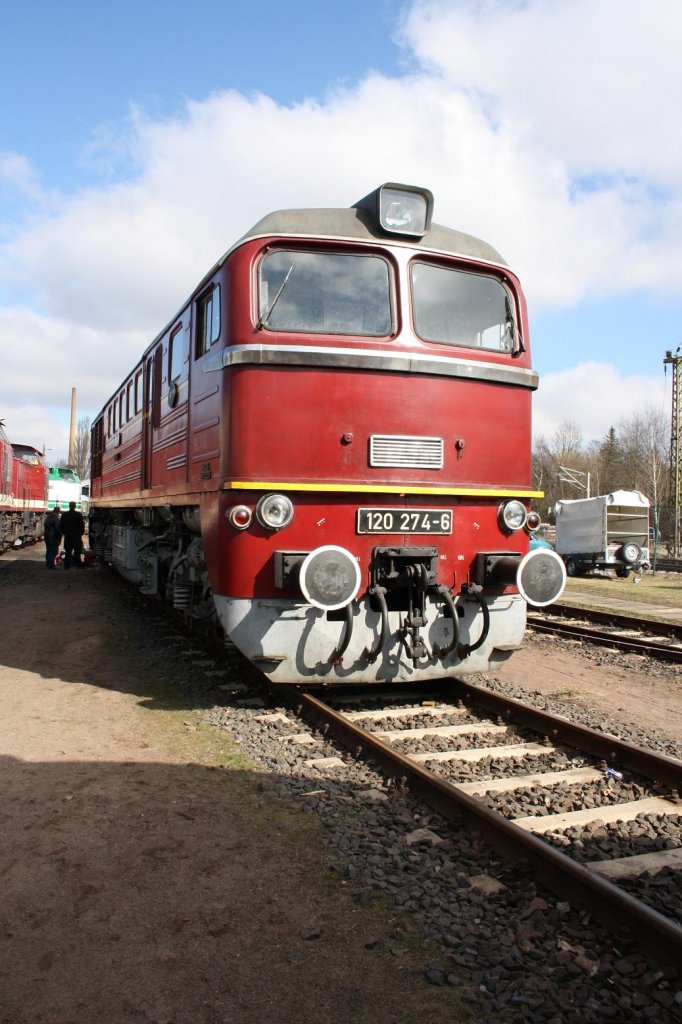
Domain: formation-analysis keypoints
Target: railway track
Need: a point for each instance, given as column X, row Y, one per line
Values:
column 669, row 565
column 657, row 639
column 538, row 787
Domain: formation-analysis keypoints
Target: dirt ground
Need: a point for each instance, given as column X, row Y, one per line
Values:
column 148, row 872
column 619, row 690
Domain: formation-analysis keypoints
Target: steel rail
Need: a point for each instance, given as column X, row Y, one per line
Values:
column 653, row 765
column 668, row 565
column 613, row 906
column 614, row 618
column 642, row 645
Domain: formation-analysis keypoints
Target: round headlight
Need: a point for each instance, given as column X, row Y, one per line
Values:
column 274, row 511
column 239, row 516
column 512, row 516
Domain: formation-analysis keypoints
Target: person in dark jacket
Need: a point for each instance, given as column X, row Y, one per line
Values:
column 72, row 526
column 52, row 536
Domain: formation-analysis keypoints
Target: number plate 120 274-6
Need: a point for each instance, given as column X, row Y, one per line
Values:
column 404, row 520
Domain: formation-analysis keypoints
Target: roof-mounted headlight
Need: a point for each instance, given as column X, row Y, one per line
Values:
column 400, row 209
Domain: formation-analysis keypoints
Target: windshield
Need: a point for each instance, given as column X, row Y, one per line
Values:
column 325, row 293
column 453, row 307
column 26, row 455
column 68, row 475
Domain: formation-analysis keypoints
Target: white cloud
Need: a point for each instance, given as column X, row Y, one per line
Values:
column 547, row 128
column 43, row 358
column 591, row 90
column 595, row 82
column 595, row 396
column 17, row 174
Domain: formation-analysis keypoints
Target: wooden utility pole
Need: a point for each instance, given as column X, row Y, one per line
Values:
column 674, row 360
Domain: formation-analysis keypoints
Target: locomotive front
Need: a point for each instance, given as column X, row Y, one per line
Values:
column 373, row 520
column 23, row 493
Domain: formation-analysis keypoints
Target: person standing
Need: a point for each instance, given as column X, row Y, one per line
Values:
column 52, row 535
column 72, row 526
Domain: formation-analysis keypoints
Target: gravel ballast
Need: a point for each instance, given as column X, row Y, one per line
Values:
column 528, row 955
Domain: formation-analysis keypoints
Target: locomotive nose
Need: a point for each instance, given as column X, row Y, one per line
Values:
column 541, row 577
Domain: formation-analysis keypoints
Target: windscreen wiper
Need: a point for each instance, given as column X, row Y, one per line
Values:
column 512, row 327
column 264, row 319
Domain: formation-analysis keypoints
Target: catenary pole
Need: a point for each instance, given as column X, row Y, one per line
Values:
column 673, row 360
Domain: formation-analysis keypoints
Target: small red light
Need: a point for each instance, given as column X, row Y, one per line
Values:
column 533, row 521
column 239, row 516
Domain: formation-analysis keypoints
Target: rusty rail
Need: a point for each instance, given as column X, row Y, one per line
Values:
column 613, row 906
column 639, row 644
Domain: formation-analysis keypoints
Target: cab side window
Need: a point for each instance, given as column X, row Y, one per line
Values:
column 177, row 354
column 208, row 320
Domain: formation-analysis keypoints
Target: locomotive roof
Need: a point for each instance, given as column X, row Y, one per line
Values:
column 354, row 224
column 359, row 224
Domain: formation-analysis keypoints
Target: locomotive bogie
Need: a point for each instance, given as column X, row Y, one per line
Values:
column 159, row 550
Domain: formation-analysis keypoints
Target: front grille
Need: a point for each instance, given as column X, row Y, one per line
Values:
column 400, row 452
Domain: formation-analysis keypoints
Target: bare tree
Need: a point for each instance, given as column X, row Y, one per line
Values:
column 635, row 456
column 565, row 448
column 82, row 448
column 646, row 455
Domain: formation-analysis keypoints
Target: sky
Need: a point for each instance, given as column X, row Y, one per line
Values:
column 140, row 139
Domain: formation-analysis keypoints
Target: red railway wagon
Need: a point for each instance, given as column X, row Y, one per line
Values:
column 328, row 448
column 23, row 493
column 5, row 469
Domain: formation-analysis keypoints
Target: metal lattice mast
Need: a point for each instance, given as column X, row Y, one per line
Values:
column 674, row 361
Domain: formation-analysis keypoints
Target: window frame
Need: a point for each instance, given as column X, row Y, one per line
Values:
column 337, row 250
column 204, row 343
column 138, row 391
column 510, row 297
column 175, row 336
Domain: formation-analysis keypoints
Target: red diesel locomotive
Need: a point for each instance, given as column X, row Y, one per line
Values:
column 329, row 449
column 23, row 493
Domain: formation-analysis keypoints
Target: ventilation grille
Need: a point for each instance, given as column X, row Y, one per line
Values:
column 400, row 452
